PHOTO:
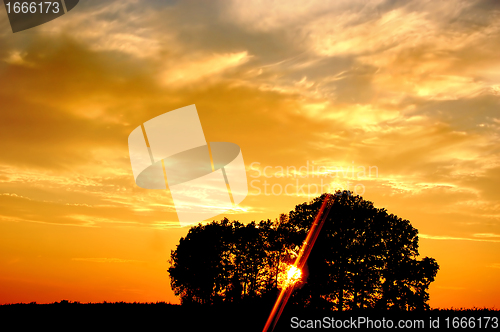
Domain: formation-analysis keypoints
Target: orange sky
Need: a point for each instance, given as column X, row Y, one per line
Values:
column 411, row 88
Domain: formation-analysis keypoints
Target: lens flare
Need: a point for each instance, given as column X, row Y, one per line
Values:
column 294, row 272
column 293, row 275
column 289, row 275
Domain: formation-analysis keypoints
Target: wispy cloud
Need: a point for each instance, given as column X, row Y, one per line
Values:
column 445, row 237
column 486, row 235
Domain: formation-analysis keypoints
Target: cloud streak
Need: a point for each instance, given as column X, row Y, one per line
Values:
column 445, row 237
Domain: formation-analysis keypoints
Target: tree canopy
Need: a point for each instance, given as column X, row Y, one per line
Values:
column 363, row 258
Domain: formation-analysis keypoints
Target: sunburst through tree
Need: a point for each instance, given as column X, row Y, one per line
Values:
column 363, row 258
column 290, row 276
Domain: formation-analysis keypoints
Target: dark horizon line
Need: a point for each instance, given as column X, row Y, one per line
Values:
column 66, row 302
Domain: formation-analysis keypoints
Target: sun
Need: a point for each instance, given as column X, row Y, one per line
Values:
column 291, row 276
column 294, row 273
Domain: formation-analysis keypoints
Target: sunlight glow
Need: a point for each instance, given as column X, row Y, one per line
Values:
column 293, row 276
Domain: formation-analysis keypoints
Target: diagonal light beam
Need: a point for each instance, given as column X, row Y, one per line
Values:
column 300, row 261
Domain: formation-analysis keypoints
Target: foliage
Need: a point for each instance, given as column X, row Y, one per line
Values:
column 226, row 261
column 363, row 258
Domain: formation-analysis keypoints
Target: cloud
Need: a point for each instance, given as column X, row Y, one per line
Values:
column 486, row 235
column 407, row 87
column 190, row 71
column 445, row 237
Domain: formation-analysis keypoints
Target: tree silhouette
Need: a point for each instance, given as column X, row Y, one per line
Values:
column 363, row 258
column 200, row 263
column 224, row 261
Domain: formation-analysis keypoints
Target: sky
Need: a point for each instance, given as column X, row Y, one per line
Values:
column 397, row 101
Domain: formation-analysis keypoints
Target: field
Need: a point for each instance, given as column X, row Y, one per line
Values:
column 247, row 317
